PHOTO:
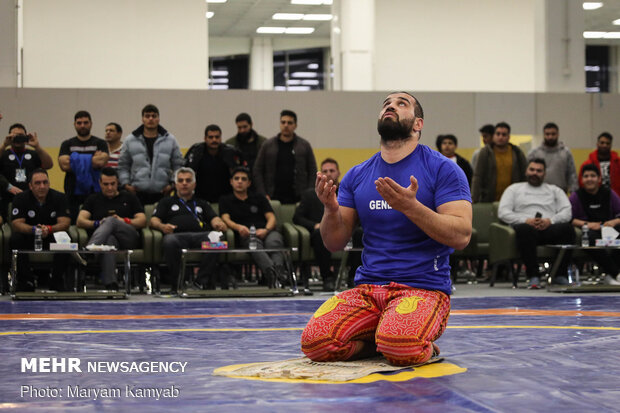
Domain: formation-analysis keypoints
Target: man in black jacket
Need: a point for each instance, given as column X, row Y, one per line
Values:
column 446, row 145
column 213, row 163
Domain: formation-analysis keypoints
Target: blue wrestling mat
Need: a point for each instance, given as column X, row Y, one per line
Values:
column 513, row 354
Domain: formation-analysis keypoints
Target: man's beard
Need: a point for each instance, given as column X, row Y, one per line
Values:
column 83, row 132
column 551, row 143
column 534, row 180
column 394, row 130
column 244, row 137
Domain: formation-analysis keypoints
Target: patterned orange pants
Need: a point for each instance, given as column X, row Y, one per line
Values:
column 398, row 321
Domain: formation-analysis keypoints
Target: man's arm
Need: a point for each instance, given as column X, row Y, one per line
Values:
column 338, row 221
column 451, row 225
column 269, row 226
column 158, row 225
column 64, row 161
column 100, row 159
column 302, row 212
column 19, row 225
column 241, row 229
column 571, row 172
column 84, row 221
column 139, row 220
column 259, row 171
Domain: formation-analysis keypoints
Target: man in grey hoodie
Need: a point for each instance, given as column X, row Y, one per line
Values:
column 149, row 156
column 561, row 169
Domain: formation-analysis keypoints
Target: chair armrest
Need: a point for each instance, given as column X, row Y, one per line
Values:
column 291, row 239
column 307, row 253
column 502, row 243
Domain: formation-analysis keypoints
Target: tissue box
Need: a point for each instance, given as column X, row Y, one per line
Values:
column 71, row 246
column 219, row 245
column 607, row 242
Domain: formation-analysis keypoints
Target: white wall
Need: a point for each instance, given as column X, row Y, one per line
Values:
column 8, row 43
column 455, row 45
column 156, row 44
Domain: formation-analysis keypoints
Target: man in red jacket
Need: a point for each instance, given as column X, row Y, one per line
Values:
column 607, row 161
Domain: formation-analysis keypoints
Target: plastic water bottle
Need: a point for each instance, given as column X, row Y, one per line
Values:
column 585, row 240
column 349, row 244
column 252, row 237
column 38, row 240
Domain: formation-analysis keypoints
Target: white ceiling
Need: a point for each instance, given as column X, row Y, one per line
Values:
column 240, row 18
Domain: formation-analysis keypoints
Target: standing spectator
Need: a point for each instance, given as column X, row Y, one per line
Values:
column 186, row 222
column 242, row 209
column 607, row 162
column 112, row 218
column 499, row 164
column 46, row 209
column 560, row 169
column 149, row 156
column 486, row 132
column 446, row 145
column 81, row 157
column 213, row 163
column 540, row 214
column 113, row 134
column 285, row 165
column 247, row 140
column 17, row 161
column 597, row 207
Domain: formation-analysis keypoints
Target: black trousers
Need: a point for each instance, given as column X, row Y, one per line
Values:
column 21, row 241
column 322, row 255
column 528, row 238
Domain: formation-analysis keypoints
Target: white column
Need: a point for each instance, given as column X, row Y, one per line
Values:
column 261, row 64
column 8, row 44
column 352, row 40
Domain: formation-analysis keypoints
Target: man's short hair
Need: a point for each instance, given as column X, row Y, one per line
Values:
column 185, row 170
column 538, row 160
column 590, row 167
column 109, row 171
column 442, row 138
column 117, row 126
column 150, row 108
column 17, row 125
column 242, row 169
column 213, row 128
column 605, row 135
column 487, row 129
column 550, row 125
column 502, row 125
column 243, row 117
column 330, row 160
column 82, row 114
column 290, row 113
column 38, row 171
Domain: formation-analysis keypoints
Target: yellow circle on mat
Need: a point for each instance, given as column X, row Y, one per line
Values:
column 427, row 371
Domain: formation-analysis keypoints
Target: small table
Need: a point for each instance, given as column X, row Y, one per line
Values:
column 575, row 287
column 75, row 294
column 184, row 252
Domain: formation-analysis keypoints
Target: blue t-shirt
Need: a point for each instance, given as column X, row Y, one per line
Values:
column 395, row 249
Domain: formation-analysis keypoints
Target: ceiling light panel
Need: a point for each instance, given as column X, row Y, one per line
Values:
column 317, row 17
column 271, row 30
column 313, row 2
column 299, row 30
column 287, row 16
column 592, row 5
column 593, row 35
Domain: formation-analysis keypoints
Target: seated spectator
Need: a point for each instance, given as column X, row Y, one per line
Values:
column 149, row 156
column 247, row 140
column 446, row 145
column 540, row 214
column 112, row 218
column 240, row 210
column 607, row 162
column 598, row 207
column 309, row 213
column 44, row 208
column 186, row 222
column 82, row 157
column 17, row 161
column 213, row 163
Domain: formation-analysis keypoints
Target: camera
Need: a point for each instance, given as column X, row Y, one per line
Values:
column 20, row 139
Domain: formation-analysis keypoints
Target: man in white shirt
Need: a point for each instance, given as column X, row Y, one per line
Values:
column 540, row 214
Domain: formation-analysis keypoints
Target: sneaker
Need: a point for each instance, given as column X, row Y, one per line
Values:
column 111, row 286
column 560, row 280
column 609, row 280
column 534, row 283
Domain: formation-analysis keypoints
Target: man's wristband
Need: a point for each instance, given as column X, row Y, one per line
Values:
column 49, row 229
column 127, row 220
column 34, row 229
column 96, row 224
